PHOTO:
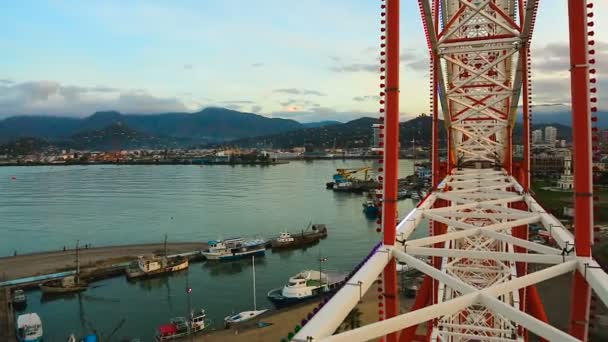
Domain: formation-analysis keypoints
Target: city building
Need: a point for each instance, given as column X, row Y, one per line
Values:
column 550, row 135
column 566, row 181
column 537, row 136
column 548, row 161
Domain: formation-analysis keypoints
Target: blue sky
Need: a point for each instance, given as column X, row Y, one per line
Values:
column 307, row 60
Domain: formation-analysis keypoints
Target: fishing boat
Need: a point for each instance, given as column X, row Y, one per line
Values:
column 305, row 285
column 69, row 284
column 246, row 315
column 146, row 267
column 370, row 209
column 310, row 236
column 236, row 248
column 18, row 299
column 29, row 328
column 179, row 327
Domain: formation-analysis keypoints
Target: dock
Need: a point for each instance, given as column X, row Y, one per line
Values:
column 92, row 260
column 7, row 319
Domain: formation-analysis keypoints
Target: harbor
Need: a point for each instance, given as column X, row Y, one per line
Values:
column 223, row 288
column 189, row 204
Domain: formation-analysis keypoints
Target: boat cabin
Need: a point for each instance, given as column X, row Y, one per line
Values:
column 285, row 237
column 149, row 264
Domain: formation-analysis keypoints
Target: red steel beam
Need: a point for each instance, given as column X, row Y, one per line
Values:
column 535, row 306
column 391, row 157
column 583, row 164
column 423, row 297
column 525, row 181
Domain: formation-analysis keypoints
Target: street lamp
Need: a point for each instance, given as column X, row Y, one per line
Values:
column 321, row 261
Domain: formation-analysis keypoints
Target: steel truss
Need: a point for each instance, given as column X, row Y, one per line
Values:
column 479, row 287
column 478, row 284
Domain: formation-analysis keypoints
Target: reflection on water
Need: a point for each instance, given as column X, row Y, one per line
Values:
column 218, row 268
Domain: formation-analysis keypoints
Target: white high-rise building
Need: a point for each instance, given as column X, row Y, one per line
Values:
column 550, row 135
column 537, row 136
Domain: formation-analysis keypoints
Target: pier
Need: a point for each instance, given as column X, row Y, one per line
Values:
column 93, row 261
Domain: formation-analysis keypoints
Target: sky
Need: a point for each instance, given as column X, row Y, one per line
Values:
column 305, row 60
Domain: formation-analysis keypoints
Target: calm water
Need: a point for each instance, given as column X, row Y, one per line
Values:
column 45, row 208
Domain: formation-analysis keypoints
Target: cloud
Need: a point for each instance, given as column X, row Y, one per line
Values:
column 366, row 98
column 555, row 58
column 233, row 106
column 256, row 109
column 52, row 97
column 6, row 81
column 238, row 102
column 188, row 66
column 409, row 58
column 319, row 114
column 299, row 103
column 257, row 65
column 296, row 91
column 356, row 67
column 551, row 75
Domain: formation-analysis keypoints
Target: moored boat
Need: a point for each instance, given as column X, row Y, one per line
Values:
column 69, row 284
column 18, row 299
column 370, row 209
column 310, row 236
column 154, row 266
column 246, row 315
column 235, row 248
column 180, row 326
column 305, row 285
column 29, row 328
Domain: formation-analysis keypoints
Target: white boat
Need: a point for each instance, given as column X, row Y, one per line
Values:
column 305, row 285
column 246, row 315
column 29, row 328
column 236, row 248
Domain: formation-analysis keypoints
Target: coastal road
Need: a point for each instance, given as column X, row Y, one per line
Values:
column 27, row 265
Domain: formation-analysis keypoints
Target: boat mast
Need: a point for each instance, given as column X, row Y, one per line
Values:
column 165, row 245
column 253, row 264
column 77, row 263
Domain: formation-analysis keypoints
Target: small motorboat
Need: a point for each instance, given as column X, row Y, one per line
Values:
column 179, row 327
column 29, row 328
column 371, row 209
column 18, row 299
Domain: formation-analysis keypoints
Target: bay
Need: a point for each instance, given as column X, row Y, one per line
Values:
column 45, row 208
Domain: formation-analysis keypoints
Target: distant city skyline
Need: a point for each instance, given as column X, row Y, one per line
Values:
column 308, row 61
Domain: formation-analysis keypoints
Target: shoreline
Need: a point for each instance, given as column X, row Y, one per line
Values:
column 95, row 258
column 190, row 162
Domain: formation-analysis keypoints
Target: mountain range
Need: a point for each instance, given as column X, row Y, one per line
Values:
column 208, row 125
column 353, row 134
column 211, row 127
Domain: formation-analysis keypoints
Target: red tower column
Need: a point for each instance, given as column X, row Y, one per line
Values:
column 582, row 166
column 391, row 158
